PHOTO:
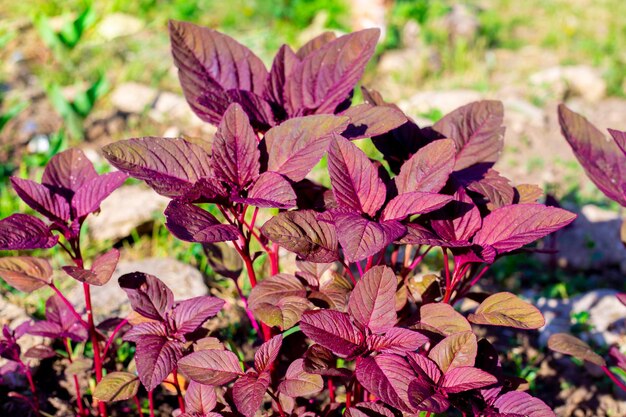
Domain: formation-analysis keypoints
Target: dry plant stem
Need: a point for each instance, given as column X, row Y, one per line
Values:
column 112, row 337
column 614, row 378
column 179, row 394
column 138, row 405
column 151, row 402
column 79, row 397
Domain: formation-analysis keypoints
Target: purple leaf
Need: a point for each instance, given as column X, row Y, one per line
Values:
column 506, row 309
column 210, row 63
column 456, row 350
column 248, row 392
column 333, row 330
column 354, row 178
column 366, row 409
column 425, row 397
column 67, row 171
column 442, row 318
column 415, row 202
column 190, row 314
column 494, row 187
column 272, row 289
column 40, row 352
column 156, row 354
column 101, row 270
column 520, row 403
column 420, row 235
column 428, row 169
column 360, row 237
column 169, row 166
column 511, row 227
column 425, row 368
column 476, row 130
column 319, row 360
column 620, row 139
column 300, row 232
column 367, row 121
column 295, row 146
column 60, row 322
column 23, row 231
column 397, row 340
column 25, row 273
column 271, row 190
column 193, row 224
column 211, row 367
column 459, row 220
column 299, row 383
column 573, row 346
column 325, row 77
column 372, row 302
column 603, row 160
column 284, row 62
column 265, row 356
column 200, row 398
column 42, row 199
column 315, row 44
column 387, row 376
column 235, row 157
column 89, row 196
column 147, row 294
column 258, row 110
column 466, row 378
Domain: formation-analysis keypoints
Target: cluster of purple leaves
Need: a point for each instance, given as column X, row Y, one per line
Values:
column 604, row 161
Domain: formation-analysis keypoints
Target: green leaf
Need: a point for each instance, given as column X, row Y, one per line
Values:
column 508, row 310
column 117, row 386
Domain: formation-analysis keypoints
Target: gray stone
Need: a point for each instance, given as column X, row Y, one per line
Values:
column 133, row 97
column 184, row 280
column 519, row 114
column 593, row 240
column 606, row 316
column 444, row 101
column 581, row 80
column 124, row 210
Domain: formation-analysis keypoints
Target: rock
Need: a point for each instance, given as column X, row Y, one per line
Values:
column 592, row 241
column 580, row 80
column 607, row 316
column 170, row 106
column 519, row 114
column 126, row 209
column 184, row 280
column 461, row 23
column 444, row 101
column 133, row 97
column 117, row 25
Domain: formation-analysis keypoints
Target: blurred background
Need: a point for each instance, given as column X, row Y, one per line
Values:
column 78, row 73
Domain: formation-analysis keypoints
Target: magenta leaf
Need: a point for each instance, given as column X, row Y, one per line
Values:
column 603, row 160
column 457, row 221
column 156, row 354
column 333, row 330
column 248, row 392
column 193, row 224
column 320, row 360
column 325, row 77
column 495, row 189
column 477, row 132
column 424, row 396
column 271, row 190
column 147, row 294
column 397, row 340
column 211, row 367
column 366, row 409
column 520, row 403
column 101, row 270
column 190, row 314
column 456, row 350
column 169, row 166
column 42, row 199
column 360, row 237
column 387, row 376
column 300, row 232
column 415, row 202
column 235, row 153
column 466, row 378
column 354, row 178
column 23, row 231
column 200, row 398
column 90, row 195
column 511, row 227
column 315, row 44
column 367, row 120
column 428, row 169
column 620, row 139
column 296, row 145
column 372, row 302
column 61, row 322
column 210, row 63
column 274, row 288
column 284, row 62
column 425, row 368
column 298, row 382
column 265, row 356
column 417, row 234
column 68, row 171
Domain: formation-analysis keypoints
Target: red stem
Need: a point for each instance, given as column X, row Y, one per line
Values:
column 360, row 268
column 79, row 397
column 67, row 303
column 446, row 267
column 31, row 383
column 370, row 261
column 419, row 258
column 151, row 401
column 614, row 378
column 97, row 358
column 138, row 405
column 179, row 394
column 349, row 271
column 331, row 389
column 112, row 337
